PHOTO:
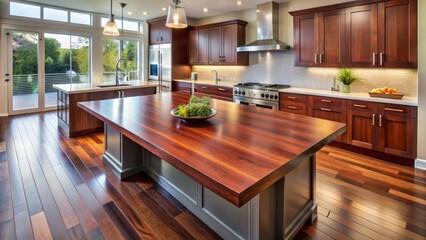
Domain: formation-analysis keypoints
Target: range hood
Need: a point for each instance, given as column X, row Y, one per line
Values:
column 267, row 30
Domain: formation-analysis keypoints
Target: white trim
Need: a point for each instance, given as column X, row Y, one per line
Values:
column 4, row 115
column 420, row 164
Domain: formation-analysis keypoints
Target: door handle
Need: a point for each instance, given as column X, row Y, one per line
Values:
column 380, row 120
column 316, row 60
column 320, row 58
column 374, row 59
column 381, row 59
column 374, row 120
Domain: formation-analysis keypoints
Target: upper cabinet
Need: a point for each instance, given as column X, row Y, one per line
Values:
column 355, row 34
column 159, row 33
column 216, row 44
column 319, row 39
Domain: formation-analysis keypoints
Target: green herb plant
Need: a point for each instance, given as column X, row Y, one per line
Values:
column 197, row 107
column 346, row 76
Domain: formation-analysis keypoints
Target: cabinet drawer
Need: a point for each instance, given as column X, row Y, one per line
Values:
column 360, row 105
column 293, row 107
column 326, row 101
column 399, row 110
column 330, row 109
column 213, row 90
column 292, row 97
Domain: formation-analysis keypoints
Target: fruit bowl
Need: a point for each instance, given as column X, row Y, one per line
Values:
column 383, row 95
column 193, row 119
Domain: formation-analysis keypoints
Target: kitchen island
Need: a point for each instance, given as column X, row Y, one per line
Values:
column 76, row 122
column 248, row 173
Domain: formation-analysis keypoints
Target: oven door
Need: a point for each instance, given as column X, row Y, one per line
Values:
column 256, row 102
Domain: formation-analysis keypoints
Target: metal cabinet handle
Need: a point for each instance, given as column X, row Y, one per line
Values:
column 326, row 100
column 381, row 59
column 316, row 56
column 380, row 120
column 326, row 109
column 221, row 89
column 122, row 94
column 360, row 106
column 203, row 87
column 394, row 110
column 291, row 107
column 374, row 120
column 320, row 58
column 374, row 59
column 291, row 98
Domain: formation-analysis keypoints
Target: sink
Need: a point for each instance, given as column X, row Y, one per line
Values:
column 114, row 85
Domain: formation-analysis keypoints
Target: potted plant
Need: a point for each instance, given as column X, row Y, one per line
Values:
column 346, row 76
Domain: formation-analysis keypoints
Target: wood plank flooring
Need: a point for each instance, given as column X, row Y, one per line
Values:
column 53, row 187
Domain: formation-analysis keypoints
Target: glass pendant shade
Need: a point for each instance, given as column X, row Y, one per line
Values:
column 111, row 28
column 176, row 17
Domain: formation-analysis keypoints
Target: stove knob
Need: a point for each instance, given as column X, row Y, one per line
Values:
column 276, row 97
column 239, row 92
column 271, row 97
column 244, row 93
column 235, row 92
column 267, row 95
column 262, row 95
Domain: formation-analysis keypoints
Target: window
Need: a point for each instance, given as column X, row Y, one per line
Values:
column 51, row 14
column 55, row 14
column 113, row 50
column 128, row 25
column 80, row 18
column 24, row 10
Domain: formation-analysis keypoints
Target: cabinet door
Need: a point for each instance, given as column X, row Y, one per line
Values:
column 397, row 130
column 331, row 38
column 193, row 47
column 154, row 34
column 215, row 45
column 361, row 36
column 229, row 44
column 361, row 124
column 165, row 34
column 203, row 46
column 398, row 34
column 306, row 40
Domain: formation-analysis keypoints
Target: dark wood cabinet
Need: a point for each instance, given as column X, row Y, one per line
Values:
column 213, row 91
column 159, row 33
column 216, row 44
column 333, row 109
column 397, row 33
column 387, row 128
column 319, row 39
column 182, row 87
column 293, row 103
column 357, row 34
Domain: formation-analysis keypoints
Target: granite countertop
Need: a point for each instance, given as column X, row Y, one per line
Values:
column 222, row 83
column 411, row 101
column 76, row 88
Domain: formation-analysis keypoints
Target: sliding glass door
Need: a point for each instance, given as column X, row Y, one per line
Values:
column 23, row 70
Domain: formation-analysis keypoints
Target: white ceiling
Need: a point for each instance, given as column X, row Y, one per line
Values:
column 194, row 8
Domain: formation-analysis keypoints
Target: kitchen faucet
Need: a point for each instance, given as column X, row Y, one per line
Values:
column 216, row 79
column 117, row 82
column 335, row 87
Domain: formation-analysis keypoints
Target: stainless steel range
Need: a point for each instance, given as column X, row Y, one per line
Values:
column 258, row 94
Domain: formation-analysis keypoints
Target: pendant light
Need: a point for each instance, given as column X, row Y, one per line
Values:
column 110, row 28
column 176, row 17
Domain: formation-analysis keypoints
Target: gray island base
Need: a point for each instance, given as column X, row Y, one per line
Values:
column 277, row 213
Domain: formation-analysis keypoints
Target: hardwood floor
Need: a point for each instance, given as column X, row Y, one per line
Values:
column 53, row 187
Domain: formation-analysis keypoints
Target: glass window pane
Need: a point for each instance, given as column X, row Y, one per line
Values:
column 80, row 59
column 130, row 52
column 55, row 14
column 104, row 21
column 109, row 58
column 81, row 18
column 132, row 26
column 24, row 10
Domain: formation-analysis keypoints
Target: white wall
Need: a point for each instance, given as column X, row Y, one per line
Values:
column 421, row 133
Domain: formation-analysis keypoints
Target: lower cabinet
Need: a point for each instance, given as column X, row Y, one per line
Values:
column 213, row 91
column 387, row 128
column 382, row 127
column 182, row 87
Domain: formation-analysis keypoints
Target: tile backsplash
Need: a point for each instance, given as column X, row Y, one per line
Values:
column 278, row 67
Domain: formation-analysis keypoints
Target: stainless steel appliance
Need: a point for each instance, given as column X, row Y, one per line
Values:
column 160, row 66
column 258, row 94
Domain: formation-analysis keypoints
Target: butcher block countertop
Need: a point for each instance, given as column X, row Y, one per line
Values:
column 237, row 154
column 77, row 88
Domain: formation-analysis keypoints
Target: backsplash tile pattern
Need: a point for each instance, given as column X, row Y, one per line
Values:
column 278, row 67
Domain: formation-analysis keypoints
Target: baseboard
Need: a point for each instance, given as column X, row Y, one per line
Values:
column 420, row 164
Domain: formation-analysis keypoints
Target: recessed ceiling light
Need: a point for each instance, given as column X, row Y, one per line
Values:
column 144, row 13
column 205, row 10
column 239, row 3
column 129, row 13
column 164, row 9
